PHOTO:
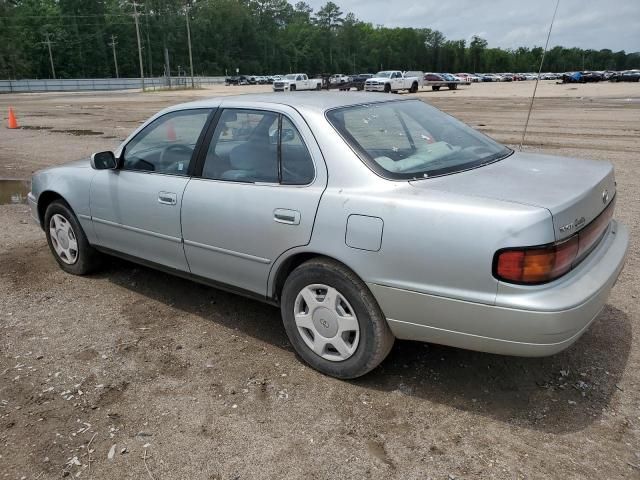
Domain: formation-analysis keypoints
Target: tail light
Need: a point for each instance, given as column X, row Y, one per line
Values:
column 544, row 263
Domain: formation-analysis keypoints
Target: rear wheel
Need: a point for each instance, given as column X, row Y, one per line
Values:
column 333, row 320
column 67, row 240
column 414, row 88
column 435, row 88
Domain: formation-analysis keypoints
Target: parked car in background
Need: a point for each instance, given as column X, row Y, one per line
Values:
column 490, row 77
column 296, row 81
column 236, row 80
column 364, row 217
column 338, row 78
column 391, row 81
column 438, row 80
column 357, row 81
column 582, row 77
column 592, row 77
column 465, row 78
column 626, row 76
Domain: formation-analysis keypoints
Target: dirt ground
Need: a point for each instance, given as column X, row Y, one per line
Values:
column 131, row 373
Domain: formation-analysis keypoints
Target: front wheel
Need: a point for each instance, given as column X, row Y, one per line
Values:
column 435, row 88
column 67, row 240
column 387, row 88
column 292, row 88
column 333, row 321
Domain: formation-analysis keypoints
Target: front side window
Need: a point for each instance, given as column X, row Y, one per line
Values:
column 166, row 145
column 255, row 146
column 412, row 140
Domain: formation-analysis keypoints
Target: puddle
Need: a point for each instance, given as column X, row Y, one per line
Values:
column 35, row 127
column 14, row 191
column 78, row 133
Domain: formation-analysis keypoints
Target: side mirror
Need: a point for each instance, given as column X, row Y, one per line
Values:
column 103, row 161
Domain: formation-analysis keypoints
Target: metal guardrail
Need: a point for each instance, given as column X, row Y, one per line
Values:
column 93, row 84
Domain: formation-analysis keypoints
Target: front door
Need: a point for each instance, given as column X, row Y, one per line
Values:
column 257, row 196
column 135, row 209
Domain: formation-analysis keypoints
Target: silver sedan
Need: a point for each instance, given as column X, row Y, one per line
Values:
column 365, row 217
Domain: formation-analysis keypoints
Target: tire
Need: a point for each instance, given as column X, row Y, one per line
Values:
column 435, row 88
column 453, row 86
column 318, row 87
column 414, row 88
column 61, row 218
column 367, row 345
column 292, row 88
column 387, row 88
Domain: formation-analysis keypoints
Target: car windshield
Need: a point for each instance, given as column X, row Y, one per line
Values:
column 290, row 77
column 386, row 74
column 413, row 140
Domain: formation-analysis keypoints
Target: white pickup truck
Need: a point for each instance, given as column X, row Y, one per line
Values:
column 391, row 81
column 297, row 81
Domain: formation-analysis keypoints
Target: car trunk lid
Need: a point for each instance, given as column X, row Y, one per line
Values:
column 574, row 191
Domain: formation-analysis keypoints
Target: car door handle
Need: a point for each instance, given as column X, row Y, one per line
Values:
column 284, row 215
column 167, row 198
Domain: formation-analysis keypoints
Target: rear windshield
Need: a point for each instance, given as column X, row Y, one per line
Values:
column 413, row 140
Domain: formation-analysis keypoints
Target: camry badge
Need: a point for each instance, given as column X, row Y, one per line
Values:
column 605, row 196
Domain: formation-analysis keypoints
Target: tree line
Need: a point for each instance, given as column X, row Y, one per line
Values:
column 253, row 36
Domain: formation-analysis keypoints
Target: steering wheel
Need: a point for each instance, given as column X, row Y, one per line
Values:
column 177, row 148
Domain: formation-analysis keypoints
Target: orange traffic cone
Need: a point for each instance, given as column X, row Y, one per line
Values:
column 13, row 123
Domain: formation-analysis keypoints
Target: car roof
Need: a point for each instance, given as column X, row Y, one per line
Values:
column 318, row 101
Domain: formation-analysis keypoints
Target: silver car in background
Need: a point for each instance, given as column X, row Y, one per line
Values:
column 365, row 217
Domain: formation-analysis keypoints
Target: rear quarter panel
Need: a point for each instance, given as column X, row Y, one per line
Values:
column 433, row 242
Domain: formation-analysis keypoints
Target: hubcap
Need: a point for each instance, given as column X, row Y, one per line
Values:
column 326, row 322
column 63, row 239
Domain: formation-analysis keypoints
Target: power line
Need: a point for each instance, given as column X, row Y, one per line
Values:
column 13, row 17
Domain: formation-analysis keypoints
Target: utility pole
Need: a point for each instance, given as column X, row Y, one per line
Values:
column 135, row 16
column 189, row 40
column 149, row 53
column 115, row 59
column 48, row 42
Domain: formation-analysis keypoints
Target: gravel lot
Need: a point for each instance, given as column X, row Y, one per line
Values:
column 131, row 373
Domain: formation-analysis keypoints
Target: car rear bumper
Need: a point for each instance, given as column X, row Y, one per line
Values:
column 532, row 322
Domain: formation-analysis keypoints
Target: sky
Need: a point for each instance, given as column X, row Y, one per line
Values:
column 595, row 24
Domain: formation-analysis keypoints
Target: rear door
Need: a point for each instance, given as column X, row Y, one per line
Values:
column 261, row 181
column 135, row 209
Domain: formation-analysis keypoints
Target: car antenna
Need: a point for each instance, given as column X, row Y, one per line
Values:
column 546, row 45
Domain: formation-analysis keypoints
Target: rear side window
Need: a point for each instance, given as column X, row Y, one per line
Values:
column 297, row 166
column 255, row 146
